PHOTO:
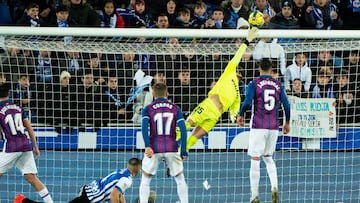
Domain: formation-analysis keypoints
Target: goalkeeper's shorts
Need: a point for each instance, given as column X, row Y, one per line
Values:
column 205, row 115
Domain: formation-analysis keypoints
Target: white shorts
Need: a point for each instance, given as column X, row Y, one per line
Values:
column 24, row 161
column 262, row 142
column 172, row 159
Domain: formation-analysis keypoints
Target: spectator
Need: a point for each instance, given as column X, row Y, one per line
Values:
column 352, row 64
column 186, row 93
column 302, row 11
column 31, row 16
column 162, row 22
column 62, row 103
column 171, row 12
column 323, row 87
column 73, row 63
column 17, row 61
column 267, row 11
column 183, row 19
column 114, row 102
column 21, row 93
column 325, row 58
column 82, row 14
column 216, row 20
column 284, row 19
column 233, row 11
column 140, row 95
column 350, row 10
column 44, row 68
column 266, row 48
column 46, row 14
column 159, row 76
column 200, row 15
column 297, row 89
column 62, row 20
column 98, row 72
column 127, row 68
column 87, row 103
column 326, row 15
column 155, row 8
column 140, row 17
column 346, row 98
column 299, row 69
column 109, row 18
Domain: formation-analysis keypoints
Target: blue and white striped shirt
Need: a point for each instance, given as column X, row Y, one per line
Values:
column 100, row 190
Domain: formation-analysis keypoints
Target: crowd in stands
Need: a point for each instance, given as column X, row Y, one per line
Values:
column 80, row 89
column 208, row 14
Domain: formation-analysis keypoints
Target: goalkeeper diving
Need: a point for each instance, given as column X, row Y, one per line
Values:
column 223, row 97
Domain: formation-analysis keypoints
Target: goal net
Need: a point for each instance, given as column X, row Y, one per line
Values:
column 84, row 90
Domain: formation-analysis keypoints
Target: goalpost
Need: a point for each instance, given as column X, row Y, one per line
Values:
column 81, row 140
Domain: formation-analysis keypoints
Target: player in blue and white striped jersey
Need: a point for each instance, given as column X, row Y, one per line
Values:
column 112, row 187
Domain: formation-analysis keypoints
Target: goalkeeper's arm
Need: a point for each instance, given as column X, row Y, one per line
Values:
column 252, row 33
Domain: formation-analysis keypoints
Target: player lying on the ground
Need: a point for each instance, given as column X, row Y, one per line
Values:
column 20, row 198
column 17, row 150
column 163, row 117
column 224, row 96
column 265, row 93
column 110, row 188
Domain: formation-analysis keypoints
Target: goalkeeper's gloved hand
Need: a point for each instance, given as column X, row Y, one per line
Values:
column 252, row 34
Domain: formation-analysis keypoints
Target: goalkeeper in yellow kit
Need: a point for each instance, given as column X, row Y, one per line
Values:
column 224, row 96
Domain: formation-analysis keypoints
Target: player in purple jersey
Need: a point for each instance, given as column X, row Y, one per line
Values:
column 163, row 117
column 17, row 149
column 265, row 94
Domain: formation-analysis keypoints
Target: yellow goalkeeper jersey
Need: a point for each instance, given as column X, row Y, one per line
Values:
column 227, row 87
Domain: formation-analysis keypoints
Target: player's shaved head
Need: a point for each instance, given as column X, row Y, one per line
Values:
column 134, row 162
column 265, row 65
column 4, row 90
column 160, row 90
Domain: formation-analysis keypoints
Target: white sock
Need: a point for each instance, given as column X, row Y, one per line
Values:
column 144, row 189
column 45, row 195
column 182, row 188
column 271, row 170
column 254, row 178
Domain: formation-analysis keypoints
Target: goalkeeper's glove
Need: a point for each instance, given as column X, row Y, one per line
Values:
column 252, row 34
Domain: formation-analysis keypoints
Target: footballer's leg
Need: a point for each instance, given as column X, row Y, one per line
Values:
column 196, row 134
column 39, row 187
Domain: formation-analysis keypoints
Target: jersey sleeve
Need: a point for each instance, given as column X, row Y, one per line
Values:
column 25, row 114
column 250, row 94
column 285, row 103
column 123, row 184
column 145, row 126
column 181, row 123
column 233, row 63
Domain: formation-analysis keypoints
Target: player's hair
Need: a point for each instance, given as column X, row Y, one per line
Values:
column 297, row 79
column 265, row 64
column 4, row 90
column 160, row 90
column 134, row 162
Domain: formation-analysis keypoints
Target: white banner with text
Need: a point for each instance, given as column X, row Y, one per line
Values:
column 312, row 118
